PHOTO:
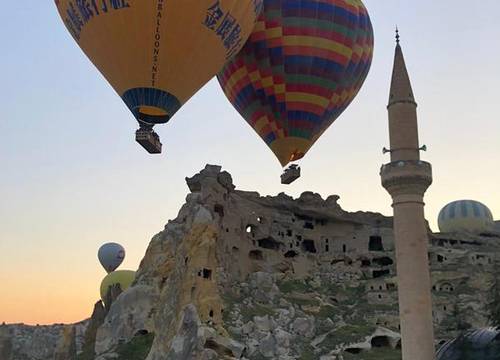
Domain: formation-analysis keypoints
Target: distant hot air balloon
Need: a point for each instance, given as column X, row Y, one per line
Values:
column 124, row 278
column 156, row 54
column 465, row 216
column 302, row 66
column 111, row 256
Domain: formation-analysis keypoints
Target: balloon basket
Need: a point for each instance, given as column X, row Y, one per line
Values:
column 149, row 140
column 290, row 175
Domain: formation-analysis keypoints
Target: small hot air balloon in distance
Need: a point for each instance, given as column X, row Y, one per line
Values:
column 111, row 256
column 465, row 216
column 123, row 278
column 300, row 69
column 157, row 54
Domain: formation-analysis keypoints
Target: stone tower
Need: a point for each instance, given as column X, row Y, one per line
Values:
column 407, row 178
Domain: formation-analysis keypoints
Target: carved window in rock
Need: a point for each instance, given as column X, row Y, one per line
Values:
column 219, row 209
column 380, row 273
column 269, row 243
column 308, row 225
column 383, row 261
column 206, row 273
column 309, row 246
column 375, row 244
column 365, row 263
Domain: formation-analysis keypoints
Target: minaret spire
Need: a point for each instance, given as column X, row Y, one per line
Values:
column 403, row 126
column 401, row 90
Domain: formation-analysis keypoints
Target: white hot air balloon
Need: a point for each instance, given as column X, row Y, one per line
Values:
column 111, row 255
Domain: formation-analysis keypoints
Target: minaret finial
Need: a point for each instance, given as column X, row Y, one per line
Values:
column 397, row 35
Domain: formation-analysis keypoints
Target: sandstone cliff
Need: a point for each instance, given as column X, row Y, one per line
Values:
column 237, row 275
column 241, row 276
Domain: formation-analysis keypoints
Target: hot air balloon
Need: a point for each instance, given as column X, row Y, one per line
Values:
column 156, row 54
column 465, row 216
column 302, row 66
column 124, row 278
column 111, row 256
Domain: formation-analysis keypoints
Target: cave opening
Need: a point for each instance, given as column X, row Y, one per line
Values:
column 380, row 273
column 207, row 273
column 375, row 244
column 219, row 209
column 309, row 225
column 383, row 261
column 381, row 342
column 291, row 254
column 309, row 246
column 269, row 243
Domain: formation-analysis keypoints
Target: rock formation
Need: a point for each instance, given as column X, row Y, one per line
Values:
column 241, row 276
column 55, row 342
column 237, row 275
column 66, row 348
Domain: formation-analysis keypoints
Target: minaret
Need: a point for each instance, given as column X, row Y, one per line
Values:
column 407, row 178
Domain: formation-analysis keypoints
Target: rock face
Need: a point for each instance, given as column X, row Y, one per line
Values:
column 66, row 348
column 237, row 275
column 55, row 342
column 240, row 276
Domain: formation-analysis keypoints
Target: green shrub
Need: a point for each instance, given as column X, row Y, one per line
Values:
column 136, row 349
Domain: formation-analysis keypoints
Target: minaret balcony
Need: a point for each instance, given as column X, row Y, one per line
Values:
column 405, row 177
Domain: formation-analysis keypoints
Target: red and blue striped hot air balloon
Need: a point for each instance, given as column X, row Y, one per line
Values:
column 304, row 63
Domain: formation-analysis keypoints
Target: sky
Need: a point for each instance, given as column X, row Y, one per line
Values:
column 72, row 176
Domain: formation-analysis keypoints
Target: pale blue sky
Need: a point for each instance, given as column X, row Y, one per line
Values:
column 72, row 176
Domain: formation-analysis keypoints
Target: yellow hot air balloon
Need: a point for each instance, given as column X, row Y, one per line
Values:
column 158, row 53
column 124, row 278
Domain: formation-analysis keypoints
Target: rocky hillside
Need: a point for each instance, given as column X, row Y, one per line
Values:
column 23, row 342
column 240, row 276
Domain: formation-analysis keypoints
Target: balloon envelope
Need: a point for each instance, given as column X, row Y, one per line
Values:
column 111, row 255
column 465, row 216
column 124, row 278
column 156, row 54
column 302, row 66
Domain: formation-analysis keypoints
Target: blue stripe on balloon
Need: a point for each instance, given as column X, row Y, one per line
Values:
column 137, row 97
